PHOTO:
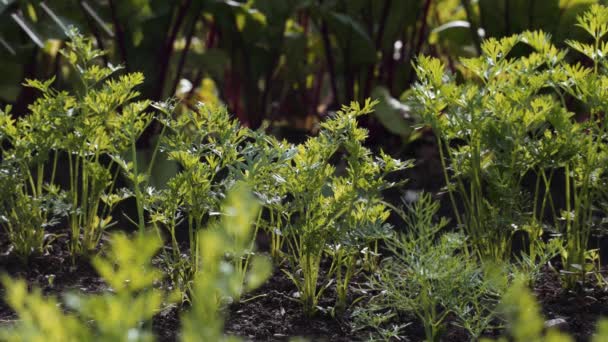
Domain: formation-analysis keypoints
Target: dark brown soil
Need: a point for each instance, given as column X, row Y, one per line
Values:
column 580, row 308
column 272, row 314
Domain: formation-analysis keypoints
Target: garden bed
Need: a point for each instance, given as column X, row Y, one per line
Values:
column 271, row 313
column 265, row 239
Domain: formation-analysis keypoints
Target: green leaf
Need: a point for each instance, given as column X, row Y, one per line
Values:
column 352, row 38
column 393, row 115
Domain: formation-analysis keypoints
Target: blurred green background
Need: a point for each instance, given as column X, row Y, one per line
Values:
column 285, row 62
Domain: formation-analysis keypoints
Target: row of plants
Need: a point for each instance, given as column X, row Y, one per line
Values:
column 507, row 136
column 511, row 136
column 64, row 163
column 519, row 163
column 134, row 296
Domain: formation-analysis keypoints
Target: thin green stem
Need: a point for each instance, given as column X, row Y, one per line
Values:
column 138, row 194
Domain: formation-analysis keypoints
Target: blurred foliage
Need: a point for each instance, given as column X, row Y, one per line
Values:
column 288, row 61
column 135, row 294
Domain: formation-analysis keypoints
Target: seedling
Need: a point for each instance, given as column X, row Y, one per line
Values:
column 428, row 276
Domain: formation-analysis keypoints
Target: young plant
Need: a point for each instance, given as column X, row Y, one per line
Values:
column 510, row 121
column 206, row 144
column 124, row 312
column 586, row 172
column 489, row 127
column 28, row 204
column 266, row 165
column 133, row 301
column 117, row 315
column 428, row 275
column 241, row 219
column 103, row 121
column 334, row 207
column 40, row 317
column 89, row 128
column 525, row 322
column 227, row 268
column 26, row 218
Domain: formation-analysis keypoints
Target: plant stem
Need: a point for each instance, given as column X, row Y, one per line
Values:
column 138, row 194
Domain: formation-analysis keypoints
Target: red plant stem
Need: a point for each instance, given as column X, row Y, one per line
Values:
column 184, row 55
column 422, row 33
column 27, row 94
column 167, row 49
column 421, row 36
column 379, row 36
column 330, row 60
column 473, row 25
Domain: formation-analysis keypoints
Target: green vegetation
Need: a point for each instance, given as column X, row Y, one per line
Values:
column 521, row 138
column 511, row 120
column 125, row 311
column 427, row 275
column 284, row 61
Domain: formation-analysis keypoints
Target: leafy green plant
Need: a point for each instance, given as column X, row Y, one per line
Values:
column 118, row 314
column 125, row 310
column 429, row 276
column 90, row 128
column 41, row 317
column 299, row 186
column 110, row 122
column 205, row 143
column 227, row 269
column 586, row 172
column 510, row 120
column 335, row 209
column 28, row 204
column 525, row 322
column 241, row 222
column 24, row 217
column 266, row 164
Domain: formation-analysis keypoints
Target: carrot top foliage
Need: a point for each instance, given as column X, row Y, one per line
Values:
column 507, row 131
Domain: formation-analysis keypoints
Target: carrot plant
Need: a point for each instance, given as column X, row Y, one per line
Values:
column 29, row 205
column 511, row 120
column 92, row 128
column 103, row 121
column 487, row 130
column 334, row 209
column 221, row 280
column 203, row 142
column 214, row 152
column 118, row 314
column 267, row 162
column 27, row 218
column 525, row 322
column 310, row 206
